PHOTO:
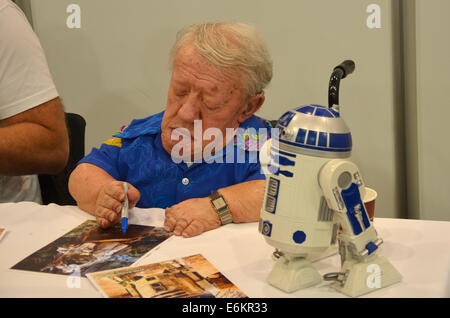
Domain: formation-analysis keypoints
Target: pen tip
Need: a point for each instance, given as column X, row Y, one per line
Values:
column 124, row 225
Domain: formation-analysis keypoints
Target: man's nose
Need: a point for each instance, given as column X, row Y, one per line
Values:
column 190, row 109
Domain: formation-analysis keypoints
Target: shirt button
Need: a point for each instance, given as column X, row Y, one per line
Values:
column 185, row 181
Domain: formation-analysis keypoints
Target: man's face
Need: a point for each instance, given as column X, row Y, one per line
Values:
column 199, row 91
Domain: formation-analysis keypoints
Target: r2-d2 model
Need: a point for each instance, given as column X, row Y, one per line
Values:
column 313, row 197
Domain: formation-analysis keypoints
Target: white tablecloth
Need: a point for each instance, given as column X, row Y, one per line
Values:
column 420, row 250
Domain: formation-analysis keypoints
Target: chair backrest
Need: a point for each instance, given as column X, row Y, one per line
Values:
column 54, row 188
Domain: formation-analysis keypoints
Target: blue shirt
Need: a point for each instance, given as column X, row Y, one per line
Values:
column 136, row 155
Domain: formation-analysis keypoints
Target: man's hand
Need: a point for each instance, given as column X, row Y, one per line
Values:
column 109, row 202
column 191, row 217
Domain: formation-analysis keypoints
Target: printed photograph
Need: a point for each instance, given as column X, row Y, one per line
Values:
column 187, row 277
column 89, row 248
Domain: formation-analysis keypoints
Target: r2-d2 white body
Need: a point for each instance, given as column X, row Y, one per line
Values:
column 313, row 198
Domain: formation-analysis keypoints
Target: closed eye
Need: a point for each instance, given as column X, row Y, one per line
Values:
column 181, row 94
column 210, row 105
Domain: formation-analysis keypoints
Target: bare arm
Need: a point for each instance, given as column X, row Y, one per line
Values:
column 99, row 194
column 244, row 200
column 34, row 141
column 85, row 184
column 195, row 216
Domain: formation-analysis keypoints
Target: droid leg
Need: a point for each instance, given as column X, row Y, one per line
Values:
column 363, row 271
column 362, row 276
column 291, row 273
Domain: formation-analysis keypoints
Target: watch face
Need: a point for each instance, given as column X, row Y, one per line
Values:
column 219, row 203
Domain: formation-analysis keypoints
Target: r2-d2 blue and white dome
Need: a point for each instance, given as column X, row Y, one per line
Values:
column 315, row 130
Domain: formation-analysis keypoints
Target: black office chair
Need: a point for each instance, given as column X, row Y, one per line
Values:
column 54, row 188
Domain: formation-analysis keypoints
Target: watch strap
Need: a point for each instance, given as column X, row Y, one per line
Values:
column 221, row 207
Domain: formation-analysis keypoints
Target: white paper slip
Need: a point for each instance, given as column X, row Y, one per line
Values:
column 151, row 217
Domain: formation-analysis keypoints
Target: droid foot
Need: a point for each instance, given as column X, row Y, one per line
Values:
column 293, row 274
column 359, row 278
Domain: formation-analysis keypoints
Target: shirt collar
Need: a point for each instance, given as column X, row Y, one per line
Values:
column 146, row 126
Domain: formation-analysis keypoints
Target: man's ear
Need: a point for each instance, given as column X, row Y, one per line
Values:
column 252, row 105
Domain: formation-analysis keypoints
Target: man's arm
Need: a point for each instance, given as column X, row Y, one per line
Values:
column 195, row 216
column 34, row 141
column 99, row 194
column 244, row 200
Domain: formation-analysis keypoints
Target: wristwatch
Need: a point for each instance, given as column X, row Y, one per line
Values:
column 221, row 207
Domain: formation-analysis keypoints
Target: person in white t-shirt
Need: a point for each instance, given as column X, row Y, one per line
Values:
column 33, row 133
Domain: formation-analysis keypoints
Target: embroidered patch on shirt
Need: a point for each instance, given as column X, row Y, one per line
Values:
column 116, row 141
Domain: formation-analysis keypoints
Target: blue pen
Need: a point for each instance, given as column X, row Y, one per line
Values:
column 125, row 209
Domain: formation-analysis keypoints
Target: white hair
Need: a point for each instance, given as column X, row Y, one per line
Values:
column 230, row 45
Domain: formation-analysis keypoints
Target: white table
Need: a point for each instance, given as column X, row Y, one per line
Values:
column 420, row 250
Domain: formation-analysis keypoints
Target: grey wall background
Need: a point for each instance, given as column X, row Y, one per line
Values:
column 114, row 69
column 427, row 83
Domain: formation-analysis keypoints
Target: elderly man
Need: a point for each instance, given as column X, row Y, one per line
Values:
column 219, row 71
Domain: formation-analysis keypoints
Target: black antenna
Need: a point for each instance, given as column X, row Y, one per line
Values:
column 341, row 71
